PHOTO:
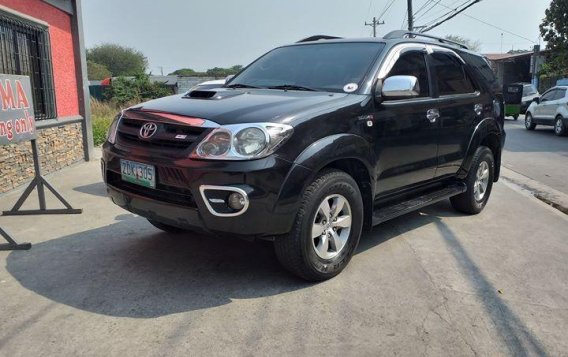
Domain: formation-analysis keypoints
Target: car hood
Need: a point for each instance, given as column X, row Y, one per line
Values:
column 231, row 106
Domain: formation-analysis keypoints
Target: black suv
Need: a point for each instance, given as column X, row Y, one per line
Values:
column 312, row 143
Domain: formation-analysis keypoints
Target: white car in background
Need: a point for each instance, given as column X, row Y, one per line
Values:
column 218, row 83
column 529, row 94
column 549, row 109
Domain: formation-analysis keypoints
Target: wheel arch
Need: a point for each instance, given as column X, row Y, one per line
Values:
column 486, row 133
column 346, row 152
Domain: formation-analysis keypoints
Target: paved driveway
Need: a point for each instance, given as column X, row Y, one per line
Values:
column 106, row 283
column 539, row 154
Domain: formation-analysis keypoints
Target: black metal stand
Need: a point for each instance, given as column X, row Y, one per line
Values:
column 40, row 182
column 12, row 244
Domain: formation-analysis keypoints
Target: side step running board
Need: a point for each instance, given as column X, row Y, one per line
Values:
column 389, row 212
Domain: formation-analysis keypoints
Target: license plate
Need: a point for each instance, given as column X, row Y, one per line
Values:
column 138, row 173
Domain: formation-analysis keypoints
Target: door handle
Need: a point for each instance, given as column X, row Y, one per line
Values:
column 433, row 115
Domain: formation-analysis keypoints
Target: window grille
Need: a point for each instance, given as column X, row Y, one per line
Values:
column 25, row 50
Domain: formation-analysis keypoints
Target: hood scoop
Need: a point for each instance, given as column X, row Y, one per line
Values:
column 213, row 94
column 201, row 94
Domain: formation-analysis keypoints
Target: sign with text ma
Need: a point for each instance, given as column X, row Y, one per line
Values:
column 16, row 109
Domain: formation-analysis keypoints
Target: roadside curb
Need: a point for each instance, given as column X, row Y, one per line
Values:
column 544, row 193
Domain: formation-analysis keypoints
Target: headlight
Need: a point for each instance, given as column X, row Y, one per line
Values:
column 250, row 141
column 243, row 141
column 218, row 144
column 111, row 133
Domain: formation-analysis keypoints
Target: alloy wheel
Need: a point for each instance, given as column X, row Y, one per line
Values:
column 558, row 127
column 481, row 181
column 331, row 226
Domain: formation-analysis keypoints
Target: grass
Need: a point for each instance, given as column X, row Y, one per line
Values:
column 102, row 114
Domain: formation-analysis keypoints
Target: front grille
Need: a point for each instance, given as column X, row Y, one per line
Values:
column 163, row 193
column 169, row 135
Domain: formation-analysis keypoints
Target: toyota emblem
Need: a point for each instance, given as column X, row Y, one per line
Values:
column 147, row 130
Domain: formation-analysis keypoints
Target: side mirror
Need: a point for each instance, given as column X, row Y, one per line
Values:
column 228, row 78
column 536, row 99
column 400, row 87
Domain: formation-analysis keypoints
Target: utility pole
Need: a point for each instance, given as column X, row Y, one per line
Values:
column 375, row 23
column 410, row 16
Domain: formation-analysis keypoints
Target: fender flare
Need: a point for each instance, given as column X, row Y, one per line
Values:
column 312, row 160
column 485, row 129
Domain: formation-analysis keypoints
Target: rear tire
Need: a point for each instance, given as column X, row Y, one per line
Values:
column 327, row 228
column 516, row 117
column 559, row 126
column 479, row 183
column 529, row 122
column 166, row 227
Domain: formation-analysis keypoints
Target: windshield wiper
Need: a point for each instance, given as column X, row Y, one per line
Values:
column 292, row 87
column 240, row 85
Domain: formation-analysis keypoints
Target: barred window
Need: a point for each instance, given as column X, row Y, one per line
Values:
column 25, row 50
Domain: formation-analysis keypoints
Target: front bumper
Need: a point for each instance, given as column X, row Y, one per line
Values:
column 178, row 200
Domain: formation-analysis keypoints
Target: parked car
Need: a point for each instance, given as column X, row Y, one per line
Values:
column 549, row 109
column 217, row 83
column 313, row 143
column 529, row 94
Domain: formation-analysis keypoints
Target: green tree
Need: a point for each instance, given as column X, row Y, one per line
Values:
column 554, row 30
column 217, row 72
column 124, row 90
column 96, row 71
column 472, row 45
column 119, row 60
column 184, row 72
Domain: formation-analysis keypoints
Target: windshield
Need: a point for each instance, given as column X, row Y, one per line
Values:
column 528, row 90
column 333, row 67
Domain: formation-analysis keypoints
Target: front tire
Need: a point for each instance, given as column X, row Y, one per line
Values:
column 559, row 127
column 529, row 122
column 327, row 228
column 479, row 183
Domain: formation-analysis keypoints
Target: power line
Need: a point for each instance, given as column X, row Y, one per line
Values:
column 422, row 7
column 387, row 7
column 456, row 13
column 436, row 14
column 494, row 26
column 447, row 13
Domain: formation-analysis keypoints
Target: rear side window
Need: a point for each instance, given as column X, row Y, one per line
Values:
column 450, row 74
column 560, row 94
column 483, row 69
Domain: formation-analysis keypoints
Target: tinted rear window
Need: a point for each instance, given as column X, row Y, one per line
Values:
column 321, row 66
column 483, row 70
column 450, row 74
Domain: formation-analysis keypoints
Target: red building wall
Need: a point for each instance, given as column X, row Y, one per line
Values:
column 66, row 95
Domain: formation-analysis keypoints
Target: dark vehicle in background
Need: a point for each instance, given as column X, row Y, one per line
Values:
column 313, row 143
column 551, row 109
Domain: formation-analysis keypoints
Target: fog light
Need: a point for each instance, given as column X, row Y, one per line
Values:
column 236, row 201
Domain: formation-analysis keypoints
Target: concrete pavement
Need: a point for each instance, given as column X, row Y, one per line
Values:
column 539, row 155
column 429, row 283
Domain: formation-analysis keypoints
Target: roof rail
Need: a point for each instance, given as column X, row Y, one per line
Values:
column 410, row 34
column 317, row 38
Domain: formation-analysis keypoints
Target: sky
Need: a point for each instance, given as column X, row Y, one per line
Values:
column 202, row 34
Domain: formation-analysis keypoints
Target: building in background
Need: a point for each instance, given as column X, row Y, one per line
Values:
column 517, row 67
column 43, row 39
